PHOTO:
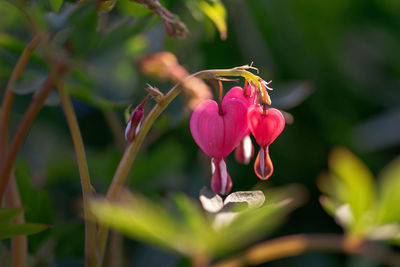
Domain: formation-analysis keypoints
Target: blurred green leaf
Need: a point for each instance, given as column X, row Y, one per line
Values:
column 185, row 228
column 28, row 83
column 10, row 230
column 389, row 193
column 356, row 181
column 7, row 215
column 56, row 4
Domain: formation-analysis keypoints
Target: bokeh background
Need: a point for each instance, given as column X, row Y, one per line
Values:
column 335, row 67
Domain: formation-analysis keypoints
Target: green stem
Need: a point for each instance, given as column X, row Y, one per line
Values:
column 9, row 95
column 91, row 255
column 19, row 244
column 24, row 125
column 294, row 245
column 132, row 149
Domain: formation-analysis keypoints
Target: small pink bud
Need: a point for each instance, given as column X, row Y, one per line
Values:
column 221, row 182
column 245, row 150
column 134, row 123
column 263, row 166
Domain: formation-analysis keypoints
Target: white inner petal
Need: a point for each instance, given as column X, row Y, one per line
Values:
column 127, row 130
column 224, row 176
column 247, row 148
column 262, row 162
column 138, row 128
column 212, row 167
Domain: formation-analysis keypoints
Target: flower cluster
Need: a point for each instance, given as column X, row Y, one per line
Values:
column 219, row 128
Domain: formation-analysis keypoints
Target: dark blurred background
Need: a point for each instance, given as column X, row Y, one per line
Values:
column 335, row 67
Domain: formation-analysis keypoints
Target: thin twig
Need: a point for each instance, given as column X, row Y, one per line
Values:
column 9, row 95
column 25, row 124
column 19, row 244
column 294, row 245
column 91, row 255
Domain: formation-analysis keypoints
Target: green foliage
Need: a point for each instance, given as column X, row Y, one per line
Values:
column 352, row 199
column 8, row 230
column 186, row 228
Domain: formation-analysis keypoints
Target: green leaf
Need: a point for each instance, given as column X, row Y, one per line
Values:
column 7, row 215
column 215, row 11
column 56, row 4
column 389, row 196
column 10, row 230
column 106, row 5
column 352, row 181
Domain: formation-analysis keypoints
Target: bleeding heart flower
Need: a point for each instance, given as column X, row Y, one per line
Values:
column 217, row 131
column 245, row 150
column 266, row 126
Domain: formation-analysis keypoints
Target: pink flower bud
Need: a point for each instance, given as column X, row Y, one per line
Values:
column 134, row 123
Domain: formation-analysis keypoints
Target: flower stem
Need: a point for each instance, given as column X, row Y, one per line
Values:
column 9, row 95
column 24, row 125
column 294, row 245
column 132, row 149
column 19, row 244
column 91, row 255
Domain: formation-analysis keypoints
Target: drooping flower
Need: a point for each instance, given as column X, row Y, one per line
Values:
column 245, row 150
column 217, row 129
column 265, row 125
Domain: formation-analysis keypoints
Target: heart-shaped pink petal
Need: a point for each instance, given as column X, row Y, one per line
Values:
column 265, row 127
column 218, row 134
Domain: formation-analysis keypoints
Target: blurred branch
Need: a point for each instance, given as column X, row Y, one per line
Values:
column 19, row 244
column 9, row 95
column 26, row 121
column 174, row 27
column 294, row 245
column 91, row 257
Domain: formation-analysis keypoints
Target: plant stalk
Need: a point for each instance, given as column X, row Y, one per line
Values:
column 24, row 125
column 294, row 245
column 91, row 255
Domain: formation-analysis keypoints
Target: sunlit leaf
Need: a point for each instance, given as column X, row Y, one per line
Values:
column 389, row 193
column 356, row 181
column 215, row 11
column 10, row 230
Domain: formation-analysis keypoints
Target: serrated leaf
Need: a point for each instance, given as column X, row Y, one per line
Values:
column 389, row 196
column 215, row 11
column 10, row 230
column 353, row 180
column 7, row 215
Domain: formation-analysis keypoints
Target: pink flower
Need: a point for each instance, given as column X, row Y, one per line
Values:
column 266, row 126
column 218, row 130
column 245, row 150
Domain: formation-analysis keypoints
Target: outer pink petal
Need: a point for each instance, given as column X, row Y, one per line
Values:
column 235, row 92
column 207, row 128
column 235, row 122
column 265, row 128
